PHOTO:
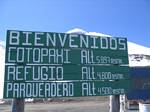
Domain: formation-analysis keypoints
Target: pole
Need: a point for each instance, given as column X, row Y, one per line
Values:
column 18, row 105
column 122, row 103
column 114, row 103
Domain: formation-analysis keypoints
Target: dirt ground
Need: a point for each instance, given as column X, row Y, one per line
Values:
column 98, row 104
column 81, row 106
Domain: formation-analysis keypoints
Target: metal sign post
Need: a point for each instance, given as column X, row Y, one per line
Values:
column 18, row 105
column 114, row 103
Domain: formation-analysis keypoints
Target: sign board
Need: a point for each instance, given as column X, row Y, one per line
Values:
column 65, row 72
column 30, row 89
column 140, row 78
column 45, row 58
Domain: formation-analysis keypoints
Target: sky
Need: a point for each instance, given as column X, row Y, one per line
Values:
column 119, row 18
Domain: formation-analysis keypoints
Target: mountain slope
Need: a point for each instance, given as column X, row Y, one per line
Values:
column 137, row 49
column 2, row 63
